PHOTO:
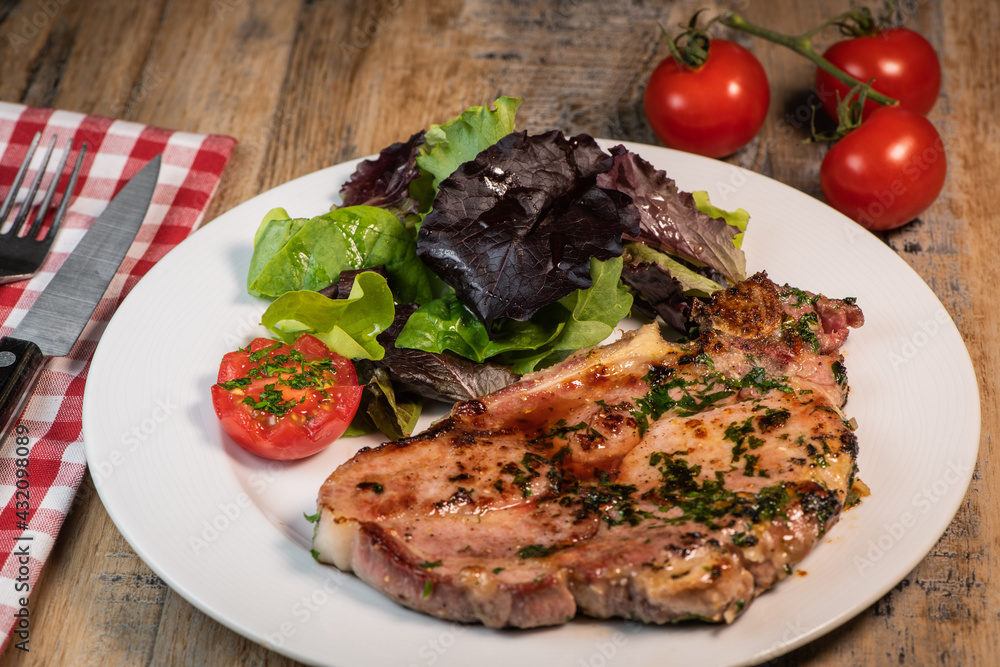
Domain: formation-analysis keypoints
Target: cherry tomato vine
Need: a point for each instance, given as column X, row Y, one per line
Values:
column 888, row 164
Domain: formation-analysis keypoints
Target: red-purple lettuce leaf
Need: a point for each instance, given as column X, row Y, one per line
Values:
column 514, row 229
column 445, row 377
column 693, row 282
column 671, row 221
column 660, row 294
column 385, row 181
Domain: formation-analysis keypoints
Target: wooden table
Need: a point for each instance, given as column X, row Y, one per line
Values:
column 304, row 85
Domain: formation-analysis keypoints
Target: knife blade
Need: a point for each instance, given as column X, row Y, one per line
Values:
column 55, row 321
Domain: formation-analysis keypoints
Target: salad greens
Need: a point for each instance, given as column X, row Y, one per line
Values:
column 515, row 228
column 575, row 321
column 738, row 218
column 692, row 283
column 471, row 254
column 309, row 254
column 385, row 181
column 384, row 409
column 448, row 146
column 671, row 220
column 405, row 176
column 349, row 326
column 439, row 376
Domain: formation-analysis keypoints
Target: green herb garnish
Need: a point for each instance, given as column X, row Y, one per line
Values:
column 371, row 486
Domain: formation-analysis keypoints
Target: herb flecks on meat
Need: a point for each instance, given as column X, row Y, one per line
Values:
column 692, row 476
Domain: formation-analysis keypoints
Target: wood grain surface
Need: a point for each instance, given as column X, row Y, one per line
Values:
column 305, row 84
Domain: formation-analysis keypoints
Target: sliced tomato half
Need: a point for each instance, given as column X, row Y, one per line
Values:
column 284, row 401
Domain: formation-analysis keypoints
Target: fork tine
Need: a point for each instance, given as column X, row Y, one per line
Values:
column 22, row 218
column 8, row 201
column 43, row 208
column 64, row 203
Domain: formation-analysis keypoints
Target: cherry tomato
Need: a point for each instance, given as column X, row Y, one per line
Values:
column 902, row 63
column 887, row 171
column 712, row 110
column 285, row 402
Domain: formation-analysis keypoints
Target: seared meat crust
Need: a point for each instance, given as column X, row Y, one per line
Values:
column 642, row 479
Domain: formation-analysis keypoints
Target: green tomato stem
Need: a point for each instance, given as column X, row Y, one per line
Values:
column 856, row 22
column 692, row 56
column 801, row 44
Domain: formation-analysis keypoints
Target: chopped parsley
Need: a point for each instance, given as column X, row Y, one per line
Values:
column 804, row 329
column 536, row 551
column 742, row 539
column 374, row 487
column 819, row 458
column 839, row 373
column 560, row 429
column 288, row 369
column 801, row 297
column 521, row 477
column 263, row 352
column 694, row 395
column 272, row 400
column 612, row 502
column 238, row 383
column 757, row 378
column 708, row 500
column 822, row 504
column 751, row 466
column 737, row 433
column 705, row 360
column 741, row 433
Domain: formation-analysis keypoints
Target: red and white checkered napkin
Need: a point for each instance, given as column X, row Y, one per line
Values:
column 35, row 494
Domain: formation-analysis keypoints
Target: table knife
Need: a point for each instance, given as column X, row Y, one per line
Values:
column 52, row 325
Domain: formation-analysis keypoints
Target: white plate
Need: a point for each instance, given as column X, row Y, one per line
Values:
column 226, row 530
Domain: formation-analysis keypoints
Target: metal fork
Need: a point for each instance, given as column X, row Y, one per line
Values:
column 22, row 252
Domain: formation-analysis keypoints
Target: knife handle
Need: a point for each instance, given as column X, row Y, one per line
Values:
column 20, row 365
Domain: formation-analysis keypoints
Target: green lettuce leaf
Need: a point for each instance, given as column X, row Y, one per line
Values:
column 581, row 319
column 593, row 315
column 595, row 312
column 445, row 324
column 459, row 140
column 284, row 258
column 309, row 254
column 348, row 326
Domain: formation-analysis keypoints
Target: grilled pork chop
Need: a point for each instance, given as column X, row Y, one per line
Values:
column 642, row 479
